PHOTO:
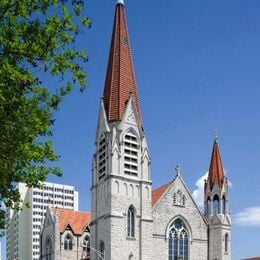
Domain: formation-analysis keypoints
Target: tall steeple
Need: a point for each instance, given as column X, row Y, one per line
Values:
column 216, row 172
column 120, row 80
column 216, row 208
column 121, row 181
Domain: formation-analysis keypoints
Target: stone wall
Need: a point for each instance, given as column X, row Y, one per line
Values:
column 165, row 211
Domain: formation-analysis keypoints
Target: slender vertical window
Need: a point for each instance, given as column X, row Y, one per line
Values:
column 131, row 154
column 174, row 198
column 226, row 243
column 183, row 200
column 102, row 249
column 131, row 222
column 178, row 199
column 178, row 241
column 48, row 248
column 68, row 243
column 223, row 205
column 102, row 158
column 216, row 204
column 208, row 206
column 86, row 248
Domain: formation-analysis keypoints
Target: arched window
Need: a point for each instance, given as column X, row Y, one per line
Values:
column 48, row 247
column 208, row 206
column 178, row 241
column 68, row 242
column 131, row 190
column 183, row 200
column 223, row 204
column 117, row 187
column 131, row 154
column 226, row 242
column 178, row 198
column 86, row 244
column 102, row 249
column 131, row 222
column 216, row 204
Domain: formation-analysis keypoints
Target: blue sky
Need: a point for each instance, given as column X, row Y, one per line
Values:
column 197, row 67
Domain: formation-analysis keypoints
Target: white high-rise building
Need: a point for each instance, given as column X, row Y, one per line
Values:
column 23, row 227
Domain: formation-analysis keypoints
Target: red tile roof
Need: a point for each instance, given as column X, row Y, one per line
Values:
column 120, row 78
column 78, row 221
column 216, row 172
column 157, row 194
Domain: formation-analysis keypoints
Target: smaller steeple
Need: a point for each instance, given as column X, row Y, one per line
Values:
column 120, row 2
column 216, row 172
column 216, row 205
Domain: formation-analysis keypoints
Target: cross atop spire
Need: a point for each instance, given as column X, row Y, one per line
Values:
column 120, row 78
column 215, row 135
column 216, row 172
column 178, row 170
column 120, row 2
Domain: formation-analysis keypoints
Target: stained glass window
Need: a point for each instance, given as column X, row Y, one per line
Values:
column 178, row 241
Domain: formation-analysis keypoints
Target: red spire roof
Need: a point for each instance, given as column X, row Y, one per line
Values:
column 120, row 78
column 216, row 172
column 77, row 220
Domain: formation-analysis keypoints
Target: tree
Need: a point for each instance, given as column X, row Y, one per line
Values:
column 36, row 40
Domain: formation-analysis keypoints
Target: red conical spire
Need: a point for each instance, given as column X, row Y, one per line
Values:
column 216, row 172
column 120, row 78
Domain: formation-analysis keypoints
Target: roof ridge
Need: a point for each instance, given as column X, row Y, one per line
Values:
column 80, row 211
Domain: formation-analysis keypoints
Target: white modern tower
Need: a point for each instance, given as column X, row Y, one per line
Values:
column 121, row 183
column 23, row 227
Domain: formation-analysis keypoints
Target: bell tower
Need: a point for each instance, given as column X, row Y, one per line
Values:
column 121, row 225
column 217, row 208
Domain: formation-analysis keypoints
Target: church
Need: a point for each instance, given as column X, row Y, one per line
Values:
column 129, row 221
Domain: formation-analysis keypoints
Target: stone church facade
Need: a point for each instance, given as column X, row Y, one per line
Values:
column 129, row 220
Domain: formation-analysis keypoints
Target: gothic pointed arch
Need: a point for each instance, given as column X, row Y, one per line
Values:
column 131, row 213
column 224, row 204
column 178, row 240
column 68, row 242
column 185, row 223
column 216, row 204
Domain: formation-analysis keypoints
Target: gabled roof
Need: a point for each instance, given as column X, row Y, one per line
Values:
column 120, row 79
column 216, row 172
column 77, row 220
column 157, row 193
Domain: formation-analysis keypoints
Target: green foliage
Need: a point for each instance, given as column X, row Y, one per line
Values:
column 36, row 40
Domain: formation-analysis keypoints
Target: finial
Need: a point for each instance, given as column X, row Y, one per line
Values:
column 216, row 135
column 120, row 2
column 178, row 170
